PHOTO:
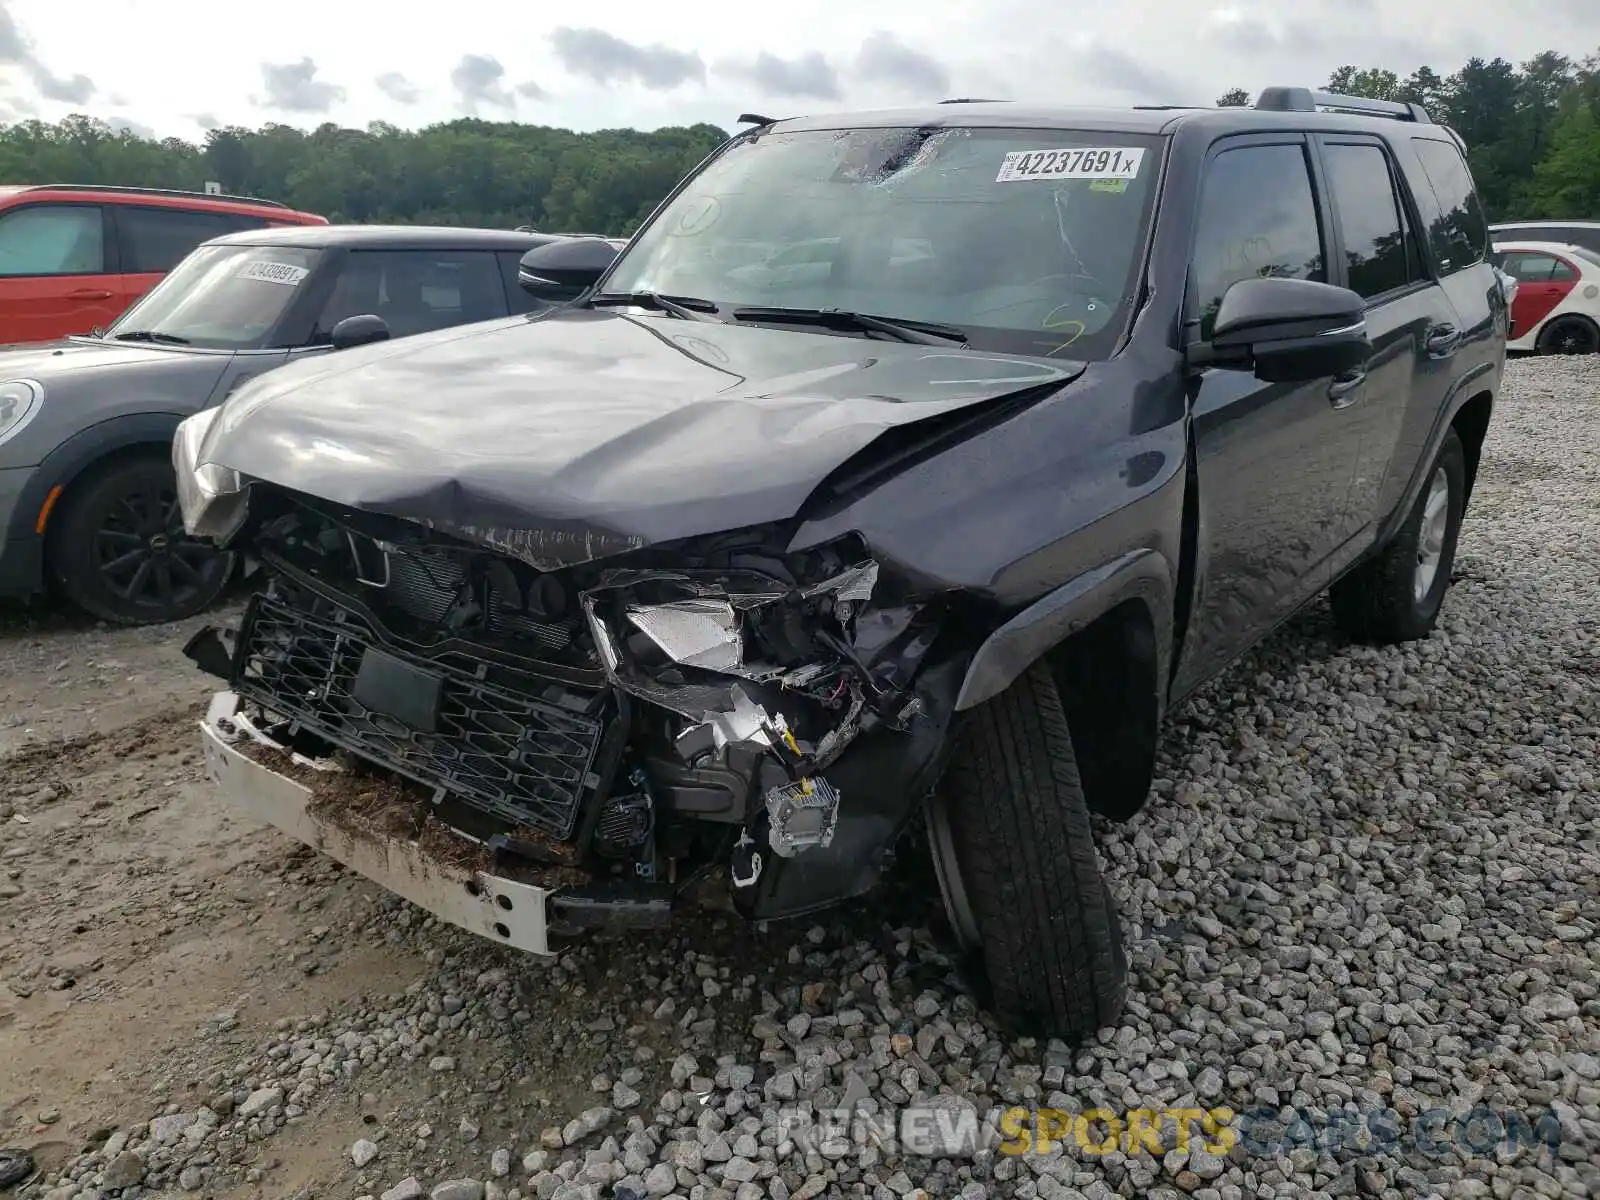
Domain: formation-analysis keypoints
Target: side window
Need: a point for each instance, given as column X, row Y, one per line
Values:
column 53, row 239
column 1459, row 235
column 520, row 301
column 154, row 240
column 1561, row 270
column 1380, row 249
column 1258, row 218
column 1529, row 268
column 415, row 290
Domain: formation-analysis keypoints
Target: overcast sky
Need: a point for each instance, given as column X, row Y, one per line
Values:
column 178, row 67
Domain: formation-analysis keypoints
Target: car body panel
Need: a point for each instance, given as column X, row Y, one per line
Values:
column 610, row 432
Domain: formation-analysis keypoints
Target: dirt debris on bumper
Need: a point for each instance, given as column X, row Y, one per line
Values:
column 502, row 910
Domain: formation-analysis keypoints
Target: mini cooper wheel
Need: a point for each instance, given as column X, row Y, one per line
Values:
column 118, row 549
column 1396, row 595
column 1014, row 854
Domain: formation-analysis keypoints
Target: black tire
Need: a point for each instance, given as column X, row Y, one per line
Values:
column 1379, row 601
column 1569, row 335
column 1014, row 851
column 118, row 551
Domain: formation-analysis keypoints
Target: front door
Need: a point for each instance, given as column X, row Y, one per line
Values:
column 1274, row 460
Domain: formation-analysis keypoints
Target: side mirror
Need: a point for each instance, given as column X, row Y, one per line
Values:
column 359, row 330
column 557, row 272
column 1287, row 331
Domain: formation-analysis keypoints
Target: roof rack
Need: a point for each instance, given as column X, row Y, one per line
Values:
column 974, row 100
column 177, row 193
column 1299, row 99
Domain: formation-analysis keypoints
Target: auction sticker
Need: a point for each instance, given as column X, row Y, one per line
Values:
column 272, row 272
column 1086, row 163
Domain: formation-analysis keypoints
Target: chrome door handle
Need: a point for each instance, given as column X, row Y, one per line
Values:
column 1442, row 341
column 1345, row 389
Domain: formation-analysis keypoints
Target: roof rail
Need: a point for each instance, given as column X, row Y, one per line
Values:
column 176, row 193
column 974, row 100
column 1299, row 99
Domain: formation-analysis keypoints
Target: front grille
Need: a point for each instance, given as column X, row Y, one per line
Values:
column 519, row 758
column 428, row 585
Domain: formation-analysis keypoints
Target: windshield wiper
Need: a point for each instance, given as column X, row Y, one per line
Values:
column 923, row 333
column 685, row 308
column 152, row 335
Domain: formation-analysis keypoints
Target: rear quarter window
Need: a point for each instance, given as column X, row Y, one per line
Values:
column 1457, row 230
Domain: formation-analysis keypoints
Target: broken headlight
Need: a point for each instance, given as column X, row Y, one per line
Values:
column 755, row 657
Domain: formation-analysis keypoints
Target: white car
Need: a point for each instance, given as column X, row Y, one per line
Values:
column 1556, row 306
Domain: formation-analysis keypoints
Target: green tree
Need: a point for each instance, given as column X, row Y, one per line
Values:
column 467, row 172
column 1567, row 182
column 1234, row 98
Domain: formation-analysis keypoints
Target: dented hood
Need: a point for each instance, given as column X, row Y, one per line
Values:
column 569, row 437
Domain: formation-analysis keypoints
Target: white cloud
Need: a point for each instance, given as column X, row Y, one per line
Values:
column 711, row 60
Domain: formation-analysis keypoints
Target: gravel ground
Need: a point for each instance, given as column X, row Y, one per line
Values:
column 1367, row 885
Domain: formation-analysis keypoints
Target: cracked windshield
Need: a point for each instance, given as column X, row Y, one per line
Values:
column 1027, row 241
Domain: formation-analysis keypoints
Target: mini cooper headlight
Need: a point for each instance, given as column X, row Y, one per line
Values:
column 20, row 400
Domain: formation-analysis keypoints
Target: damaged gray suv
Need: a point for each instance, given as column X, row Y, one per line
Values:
column 900, row 474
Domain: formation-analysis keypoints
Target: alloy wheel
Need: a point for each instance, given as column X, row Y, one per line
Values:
column 1431, row 535
column 143, row 554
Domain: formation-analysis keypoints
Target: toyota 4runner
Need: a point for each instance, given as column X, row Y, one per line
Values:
column 903, row 470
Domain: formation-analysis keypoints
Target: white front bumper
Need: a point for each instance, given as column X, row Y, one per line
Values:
column 491, row 906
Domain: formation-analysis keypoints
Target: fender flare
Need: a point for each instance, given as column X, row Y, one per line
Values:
column 1143, row 575
column 63, row 465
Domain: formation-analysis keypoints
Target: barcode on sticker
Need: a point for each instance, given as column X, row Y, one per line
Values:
column 1092, row 163
column 272, row 272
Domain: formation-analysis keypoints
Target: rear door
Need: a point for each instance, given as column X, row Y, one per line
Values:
column 58, row 273
column 1410, row 320
column 152, row 240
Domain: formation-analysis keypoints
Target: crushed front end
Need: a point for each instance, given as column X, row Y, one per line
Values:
column 534, row 749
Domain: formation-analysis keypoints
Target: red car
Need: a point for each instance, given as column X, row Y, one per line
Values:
column 74, row 256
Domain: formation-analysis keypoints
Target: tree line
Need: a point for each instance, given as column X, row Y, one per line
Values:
column 1532, row 132
column 466, row 172
column 1533, row 137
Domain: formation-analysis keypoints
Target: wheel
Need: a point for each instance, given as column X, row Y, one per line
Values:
column 1395, row 596
column 1014, row 854
column 119, row 552
column 1569, row 335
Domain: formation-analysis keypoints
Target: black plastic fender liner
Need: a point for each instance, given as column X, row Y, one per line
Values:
column 1143, row 575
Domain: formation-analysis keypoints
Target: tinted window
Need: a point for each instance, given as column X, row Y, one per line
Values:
column 157, row 239
column 1380, row 251
column 1459, row 235
column 52, row 239
column 415, row 290
column 1257, row 219
column 1560, row 270
column 520, row 300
